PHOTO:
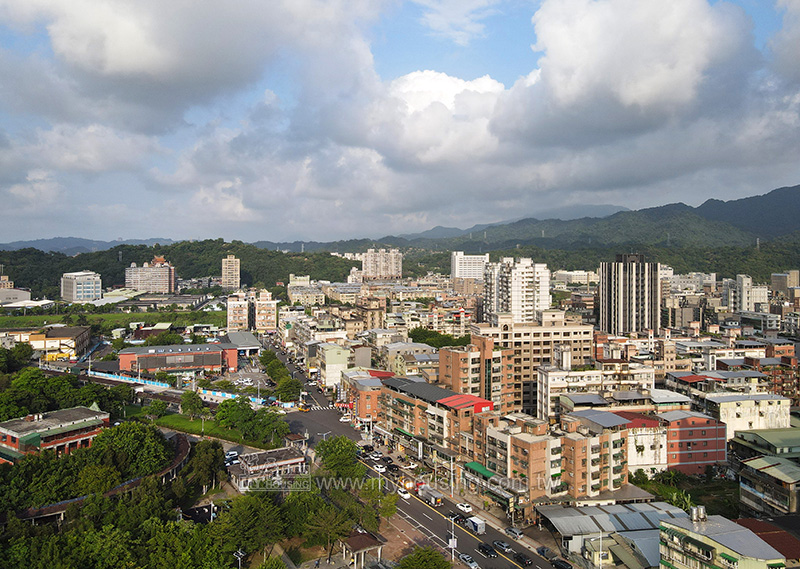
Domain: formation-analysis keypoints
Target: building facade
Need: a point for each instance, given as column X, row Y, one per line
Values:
column 230, row 273
column 382, row 264
column 482, row 369
column 156, row 276
column 82, row 286
column 61, row 431
column 186, row 357
column 694, row 441
column 629, row 295
column 518, row 287
column 467, row 266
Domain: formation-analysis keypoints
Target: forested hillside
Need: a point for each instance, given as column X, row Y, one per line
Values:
column 41, row 272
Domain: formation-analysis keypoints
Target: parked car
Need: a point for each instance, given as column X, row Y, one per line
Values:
column 368, row 448
column 464, row 507
column 561, row 564
column 344, row 419
column 513, row 533
column 487, row 550
column 523, row 559
column 375, row 455
column 380, row 469
column 387, row 459
column 403, row 493
column 467, row 560
column 546, row 552
column 501, row 546
column 460, row 519
column 411, row 465
column 393, row 468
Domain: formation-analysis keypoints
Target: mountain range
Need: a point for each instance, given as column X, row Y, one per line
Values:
column 715, row 223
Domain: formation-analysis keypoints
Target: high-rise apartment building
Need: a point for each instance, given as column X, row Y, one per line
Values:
column 534, row 345
column 265, row 317
column 240, row 312
column 82, row 286
column 482, row 369
column 741, row 295
column 467, row 266
column 156, row 276
column 517, row 287
column 230, row 273
column 630, row 295
column 382, row 264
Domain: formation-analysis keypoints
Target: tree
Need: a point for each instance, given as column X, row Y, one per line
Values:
column 329, row 525
column 191, row 404
column 156, row 409
column 97, row 479
column 339, row 457
column 639, row 477
column 424, row 558
column 273, row 563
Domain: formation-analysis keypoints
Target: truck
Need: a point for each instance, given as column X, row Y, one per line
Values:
column 429, row 495
column 477, row 525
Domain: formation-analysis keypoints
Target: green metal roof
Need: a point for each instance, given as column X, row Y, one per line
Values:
column 730, row 558
column 10, row 454
column 479, row 469
column 403, row 431
column 73, row 427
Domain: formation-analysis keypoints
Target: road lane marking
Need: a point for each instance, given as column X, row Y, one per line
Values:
column 427, row 516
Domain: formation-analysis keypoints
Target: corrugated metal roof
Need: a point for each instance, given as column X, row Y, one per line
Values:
column 570, row 521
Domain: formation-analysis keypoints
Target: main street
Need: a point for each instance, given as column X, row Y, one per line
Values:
column 433, row 523
column 430, row 522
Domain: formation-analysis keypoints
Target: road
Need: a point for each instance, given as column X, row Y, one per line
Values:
column 431, row 522
column 434, row 524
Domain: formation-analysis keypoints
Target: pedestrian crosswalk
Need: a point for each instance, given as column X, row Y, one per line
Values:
column 321, row 408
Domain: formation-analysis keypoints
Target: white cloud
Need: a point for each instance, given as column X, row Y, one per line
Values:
column 457, row 20
column 786, row 43
column 39, row 189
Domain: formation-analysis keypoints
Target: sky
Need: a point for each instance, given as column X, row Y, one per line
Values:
column 323, row 120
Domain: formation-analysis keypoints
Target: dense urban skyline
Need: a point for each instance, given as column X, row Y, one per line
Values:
column 328, row 120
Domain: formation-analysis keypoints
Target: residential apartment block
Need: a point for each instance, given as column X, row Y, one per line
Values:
column 629, row 295
column 467, row 266
column 769, row 486
column 156, row 276
column 482, row 369
column 240, row 312
column 82, row 286
column 231, row 279
column 747, row 411
column 534, row 344
column 519, row 287
column 382, row 264
column 694, row 441
column 713, row 541
column 5, row 282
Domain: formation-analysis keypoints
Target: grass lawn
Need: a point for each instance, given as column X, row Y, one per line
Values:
column 182, row 423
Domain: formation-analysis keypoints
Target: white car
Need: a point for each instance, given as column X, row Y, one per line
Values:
column 403, row 493
column 379, row 468
column 464, row 507
column 344, row 419
column 468, row 561
column 411, row 466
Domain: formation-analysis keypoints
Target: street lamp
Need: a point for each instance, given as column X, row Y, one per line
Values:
column 324, row 435
column 239, row 555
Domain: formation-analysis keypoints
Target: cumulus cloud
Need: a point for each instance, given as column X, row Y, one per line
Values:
column 40, row 187
column 177, row 105
column 457, row 20
column 786, row 43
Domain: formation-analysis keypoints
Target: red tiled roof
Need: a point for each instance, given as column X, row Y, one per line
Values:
column 786, row 544
column 637, row 419
column 696, row 378
column 380, row 374
column 463, row 400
